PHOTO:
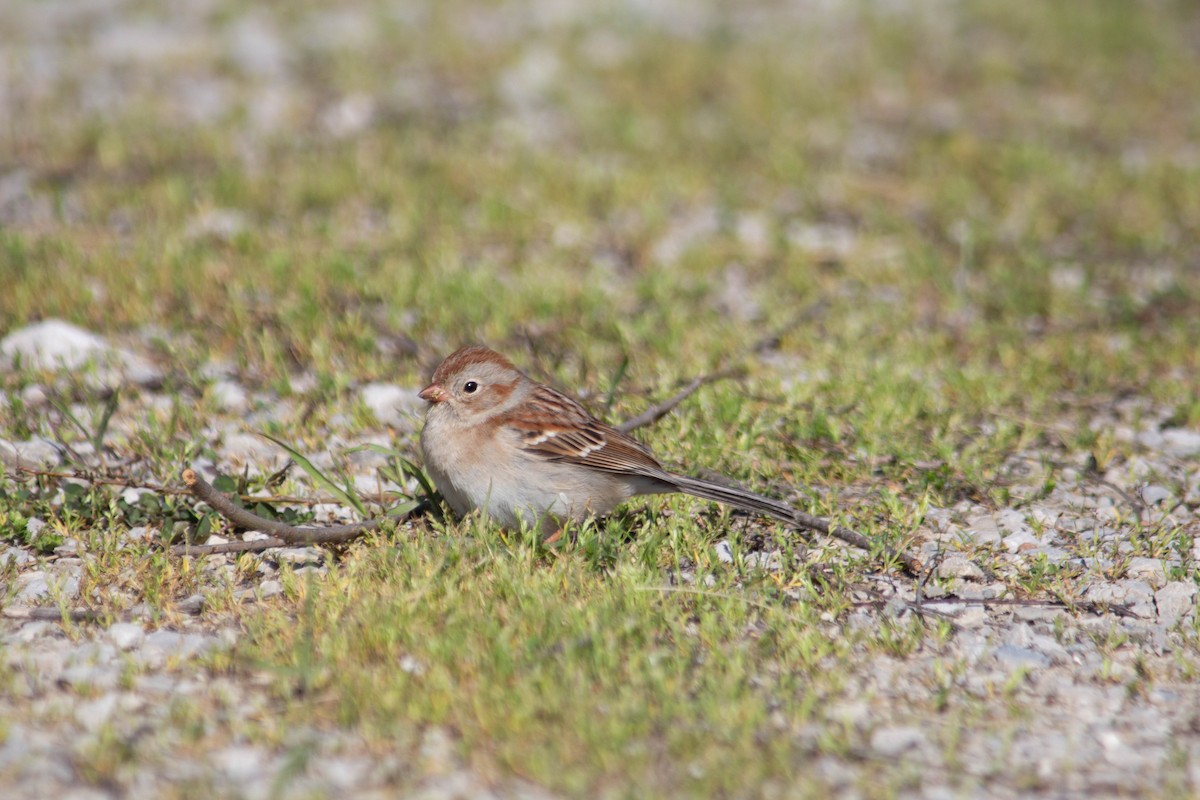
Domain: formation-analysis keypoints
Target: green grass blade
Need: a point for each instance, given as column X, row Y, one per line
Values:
column 347, row 495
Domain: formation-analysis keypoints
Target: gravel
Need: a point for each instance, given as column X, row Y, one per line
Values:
column 1106, row 705
column 1105, row 694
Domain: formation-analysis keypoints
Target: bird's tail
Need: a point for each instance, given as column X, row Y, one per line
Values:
column 731, row 495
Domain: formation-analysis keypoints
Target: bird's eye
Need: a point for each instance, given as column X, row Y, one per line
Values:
column 470, row 386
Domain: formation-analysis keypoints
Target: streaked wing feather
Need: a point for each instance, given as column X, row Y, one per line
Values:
column 578, row 438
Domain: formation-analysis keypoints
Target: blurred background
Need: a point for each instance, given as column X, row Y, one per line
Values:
column 335, row 185
column 952, row 245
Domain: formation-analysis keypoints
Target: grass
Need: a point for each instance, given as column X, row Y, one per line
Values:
column 583, row 669
column 982, row 217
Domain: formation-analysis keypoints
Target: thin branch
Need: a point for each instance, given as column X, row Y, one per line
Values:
column 855, row 539
column 657, row 412
column 56, row 614
column 51, row 614
column 130, row 483
column 254, row 546
column 281, row 532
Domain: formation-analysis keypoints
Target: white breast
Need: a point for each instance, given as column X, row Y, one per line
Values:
column 473, row 472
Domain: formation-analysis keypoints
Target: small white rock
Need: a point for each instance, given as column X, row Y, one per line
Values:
column 1021, row 540
column 1181, row 442
column 1150, row 570
column 1020, row 657
column 52, row 344
column 959, row 567
column 391, row 404
column 14, row 556
column 983, row 529
column 299, row 555
column 724, row 552
column 126, row 635
column 240, row 763
column 411, row 665
column 93, row 714
column 217, row 223
column 34, row 587
column 229, row 396
column 132, row 495
column 344, row 773
column 34, row 452
column 893, row 742
column 1012, row 521
column 35, row 396
column 1155, row 494
column 1175, row 601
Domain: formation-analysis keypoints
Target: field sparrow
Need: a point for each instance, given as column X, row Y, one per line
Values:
column 498, row 441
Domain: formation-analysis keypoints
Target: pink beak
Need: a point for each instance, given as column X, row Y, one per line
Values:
column 433, row 393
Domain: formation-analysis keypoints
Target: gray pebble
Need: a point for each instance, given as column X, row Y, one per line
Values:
column 192, row 604
column 246, row 448
column 32, row 631
column 240, row 763
column 223, row 224
column 162, row 645
column 983, row 529
column 35, row 453
column 299, row 555
column 90, row 676
column 52, row 344
column 1181, row 442
column 1155, row 494
column 1150, row 570
column 85, row 793
column 959, row 567
column 972, row 617
column 1175, row 601
column 92, row 714
column 126, row 635
column 229, row 396
column 724, row 552
column 1051, row 648
column 1011, row 656
column 1012, row 521
column 1021, row 541
column 892, row 742
column 34, row 587
column 270, row 589
column 1035, row 613
column 14, row 556
column 344, row 773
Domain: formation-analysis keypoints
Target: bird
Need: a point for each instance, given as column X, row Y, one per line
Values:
column 524, row 453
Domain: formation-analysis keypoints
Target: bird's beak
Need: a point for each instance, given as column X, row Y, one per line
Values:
column 433, row 393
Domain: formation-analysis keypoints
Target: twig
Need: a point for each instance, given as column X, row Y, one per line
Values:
column 129, row 483
column 657, row 412
column 282, row 533
column 55, row 614
column 254, row 546
column 50, row 614
column 855, row 539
